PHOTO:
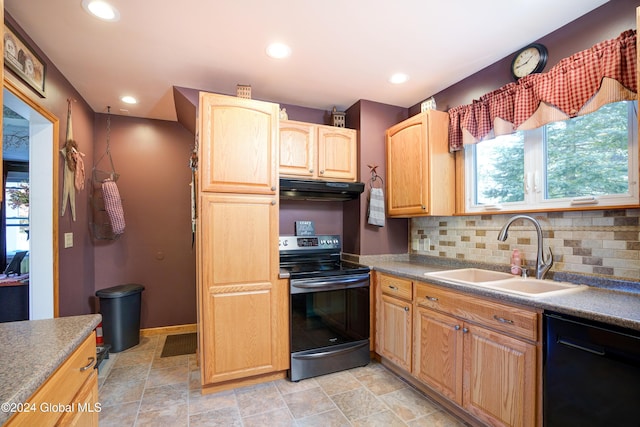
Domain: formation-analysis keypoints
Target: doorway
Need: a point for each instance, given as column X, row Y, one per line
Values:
column 42, row 129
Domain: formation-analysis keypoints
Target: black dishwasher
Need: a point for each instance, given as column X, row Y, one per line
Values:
column 591, row 373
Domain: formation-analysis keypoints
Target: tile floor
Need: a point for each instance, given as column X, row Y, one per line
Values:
column 138, row 388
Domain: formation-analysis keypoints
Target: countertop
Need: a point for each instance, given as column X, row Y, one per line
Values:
column 30, row 351
column 612, row 306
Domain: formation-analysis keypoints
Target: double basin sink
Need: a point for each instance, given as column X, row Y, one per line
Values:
column 506, row 282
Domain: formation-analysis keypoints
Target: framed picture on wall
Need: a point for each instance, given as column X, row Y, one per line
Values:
column 22, row 61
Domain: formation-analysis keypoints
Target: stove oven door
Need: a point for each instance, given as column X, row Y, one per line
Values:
column 329, row 324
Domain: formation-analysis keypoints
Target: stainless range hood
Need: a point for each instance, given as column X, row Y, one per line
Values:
column 300, row 189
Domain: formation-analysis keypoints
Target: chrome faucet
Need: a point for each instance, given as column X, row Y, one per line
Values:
column 542, row 265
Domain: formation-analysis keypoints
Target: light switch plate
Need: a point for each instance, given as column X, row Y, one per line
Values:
column 68, row 240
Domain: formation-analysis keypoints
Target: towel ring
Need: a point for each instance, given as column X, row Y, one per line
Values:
column 375, row 177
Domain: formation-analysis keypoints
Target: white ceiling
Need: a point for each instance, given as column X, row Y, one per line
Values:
column 342, row 51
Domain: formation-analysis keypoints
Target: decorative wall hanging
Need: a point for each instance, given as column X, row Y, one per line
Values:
column 73, row 174
column 107, row 222
column 21, row 59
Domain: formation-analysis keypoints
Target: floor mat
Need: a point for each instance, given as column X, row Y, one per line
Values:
column 177, row 345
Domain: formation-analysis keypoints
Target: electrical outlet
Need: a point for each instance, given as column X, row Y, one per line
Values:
column 68, row 240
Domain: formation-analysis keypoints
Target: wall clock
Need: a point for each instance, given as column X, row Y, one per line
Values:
column 529, row 60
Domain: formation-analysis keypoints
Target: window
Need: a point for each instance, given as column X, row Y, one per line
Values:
column 17, row 212
column 589, row 160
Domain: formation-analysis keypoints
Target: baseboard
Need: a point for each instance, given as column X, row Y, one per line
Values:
column 168, row 330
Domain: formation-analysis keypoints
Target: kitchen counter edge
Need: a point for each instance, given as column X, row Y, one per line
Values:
column 594, row 303
column 32, row 350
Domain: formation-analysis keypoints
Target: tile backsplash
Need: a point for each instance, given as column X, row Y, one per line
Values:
column 604, row 243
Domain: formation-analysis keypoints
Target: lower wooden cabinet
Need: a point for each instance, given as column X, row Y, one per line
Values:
column 499, row 377
column 69, row 397
column 84, row 411
column 482, row 355
column 439, row 360
column 242, row 316
column 395, row 320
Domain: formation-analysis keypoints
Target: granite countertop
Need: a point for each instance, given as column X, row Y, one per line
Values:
column 30, row 351
column 616, row 305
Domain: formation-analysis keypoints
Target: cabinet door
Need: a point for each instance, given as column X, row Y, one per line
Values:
column 337, row 153
column 238, row 145
column 407, row 167
column 438, row 355
column 297, row 148
column 85, row 409
column 420, row 169
column 395, row 331
column 243, row 306
column 499, row 378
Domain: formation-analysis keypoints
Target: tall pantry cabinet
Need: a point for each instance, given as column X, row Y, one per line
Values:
column 242, row 316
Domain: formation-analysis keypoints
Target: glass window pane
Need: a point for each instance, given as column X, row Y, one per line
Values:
column 588, row 155
column 17, row 216
column 499, row 166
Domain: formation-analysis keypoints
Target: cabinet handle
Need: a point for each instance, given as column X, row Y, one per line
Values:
column 406, row 309
column 465, row 330
column 321, row 172
column 273, row 202
column 423, row 207
column 434, row 299
column 457, row 327
column 395, row 288
column 273, row 188
column 90, row 364
column 311, row 170
column 503, row 320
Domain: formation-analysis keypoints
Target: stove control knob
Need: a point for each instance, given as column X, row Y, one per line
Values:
column 285, row 243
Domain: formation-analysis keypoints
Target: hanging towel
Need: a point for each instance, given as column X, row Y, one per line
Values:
column 113, row 206
column 376, row 207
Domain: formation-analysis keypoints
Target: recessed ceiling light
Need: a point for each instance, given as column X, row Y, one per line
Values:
column 129, row 100
column 278, row 50
column 101, row 9
column 398, row 78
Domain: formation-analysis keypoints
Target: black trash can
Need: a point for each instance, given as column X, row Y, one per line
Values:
column 120, row 309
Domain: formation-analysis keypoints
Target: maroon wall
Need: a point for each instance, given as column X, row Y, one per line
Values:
column 152, row 158
column 76, row 263
column 327, row 216
column 372, row 119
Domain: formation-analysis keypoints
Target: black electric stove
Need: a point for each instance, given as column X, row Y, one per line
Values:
column 329, row 307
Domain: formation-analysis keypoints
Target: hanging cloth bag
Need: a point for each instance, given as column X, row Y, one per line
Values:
column 106, row 180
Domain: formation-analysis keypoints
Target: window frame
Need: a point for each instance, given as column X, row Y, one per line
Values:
column 535, row 176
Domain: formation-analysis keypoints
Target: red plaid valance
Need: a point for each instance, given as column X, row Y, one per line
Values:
column 567, row 87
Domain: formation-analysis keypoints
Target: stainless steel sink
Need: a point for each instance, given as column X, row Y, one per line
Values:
column 470, row 275
column 534, row 288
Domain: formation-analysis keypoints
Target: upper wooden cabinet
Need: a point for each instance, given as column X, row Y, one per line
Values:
column 240, row 155
column 420, row 169
column 311, row 151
